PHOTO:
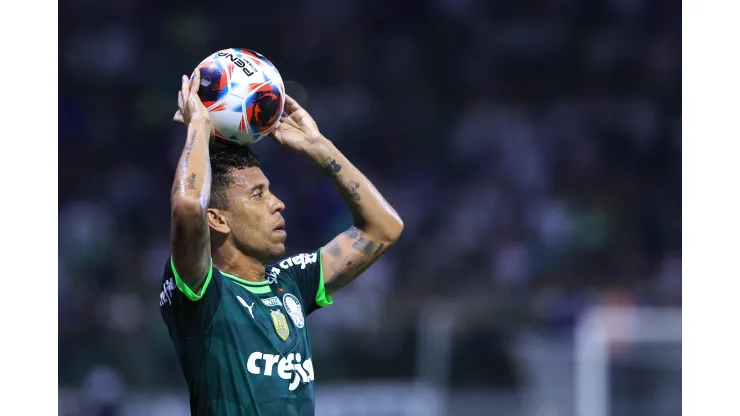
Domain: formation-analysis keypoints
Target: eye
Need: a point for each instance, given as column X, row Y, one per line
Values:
column 257, row 195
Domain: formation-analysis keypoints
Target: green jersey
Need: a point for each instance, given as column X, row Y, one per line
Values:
column 243, row 346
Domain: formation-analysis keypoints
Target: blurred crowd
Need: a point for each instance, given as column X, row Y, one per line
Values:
column 533, row 150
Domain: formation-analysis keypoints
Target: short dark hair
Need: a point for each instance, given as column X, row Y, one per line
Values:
column 225, row 160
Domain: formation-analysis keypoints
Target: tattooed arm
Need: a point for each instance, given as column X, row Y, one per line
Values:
column 191, row 190
column 376, row 224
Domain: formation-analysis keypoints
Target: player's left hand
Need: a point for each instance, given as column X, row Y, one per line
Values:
column 296, row 129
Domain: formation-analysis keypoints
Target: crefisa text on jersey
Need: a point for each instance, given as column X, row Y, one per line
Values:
column 287, row 367
column 302, row 260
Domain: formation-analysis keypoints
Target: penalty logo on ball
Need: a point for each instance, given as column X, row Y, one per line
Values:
column 264, row 110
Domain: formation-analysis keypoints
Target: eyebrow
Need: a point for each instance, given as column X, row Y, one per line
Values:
column 260, row 186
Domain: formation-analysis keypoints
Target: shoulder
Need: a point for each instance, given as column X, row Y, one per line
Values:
column 301, row 274
column 173, row 287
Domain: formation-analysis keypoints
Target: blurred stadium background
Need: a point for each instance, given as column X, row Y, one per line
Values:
column 533, row 149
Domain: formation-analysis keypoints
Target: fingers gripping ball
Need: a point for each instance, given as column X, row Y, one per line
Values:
column 244, row 95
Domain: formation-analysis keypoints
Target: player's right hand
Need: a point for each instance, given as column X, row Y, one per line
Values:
column 189, row 106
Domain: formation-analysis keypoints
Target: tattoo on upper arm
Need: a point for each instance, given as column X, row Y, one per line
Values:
column 333, row 248
column 353, row 232
column 368, row 247
column 201, row 233
column 203, row 227
column 364, row 246
column 362, row 266
column 379, row 249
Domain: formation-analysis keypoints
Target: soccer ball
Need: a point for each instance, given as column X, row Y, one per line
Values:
column 244, row 95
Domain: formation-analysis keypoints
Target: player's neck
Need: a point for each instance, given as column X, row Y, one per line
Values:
column 237, row 264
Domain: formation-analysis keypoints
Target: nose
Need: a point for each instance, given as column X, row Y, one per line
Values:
column 277, row 204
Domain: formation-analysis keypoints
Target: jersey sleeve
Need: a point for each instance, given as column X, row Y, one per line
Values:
column 306, row 270
column 182, row 307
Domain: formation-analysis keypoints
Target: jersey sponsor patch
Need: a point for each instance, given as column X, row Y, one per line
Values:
column 272, row 302
column 272, row 275
column 165, row 296
column 295, row 310
column 281, row 324
column 288, row 368
column 302, row 260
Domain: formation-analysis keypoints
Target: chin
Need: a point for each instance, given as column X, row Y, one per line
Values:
column 276, row 252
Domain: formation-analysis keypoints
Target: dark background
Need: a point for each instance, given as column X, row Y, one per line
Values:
column 532, row 148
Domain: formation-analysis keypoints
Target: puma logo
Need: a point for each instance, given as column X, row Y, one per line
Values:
column 249, row 307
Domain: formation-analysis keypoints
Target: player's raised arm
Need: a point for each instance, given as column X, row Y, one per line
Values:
column 376, row 224
column 191, row 190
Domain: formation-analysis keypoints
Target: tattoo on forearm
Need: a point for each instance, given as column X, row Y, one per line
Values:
column 332, row 167
column 184, row 166
column 352, row 187
column 191, row 181
column 191, row 140
column 188, row 147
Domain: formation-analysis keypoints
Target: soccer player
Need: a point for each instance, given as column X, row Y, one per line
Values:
column 234, row 303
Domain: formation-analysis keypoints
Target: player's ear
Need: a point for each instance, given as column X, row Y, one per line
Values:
column 217, row 221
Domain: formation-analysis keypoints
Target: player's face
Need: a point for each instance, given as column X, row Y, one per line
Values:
column 254, row 215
